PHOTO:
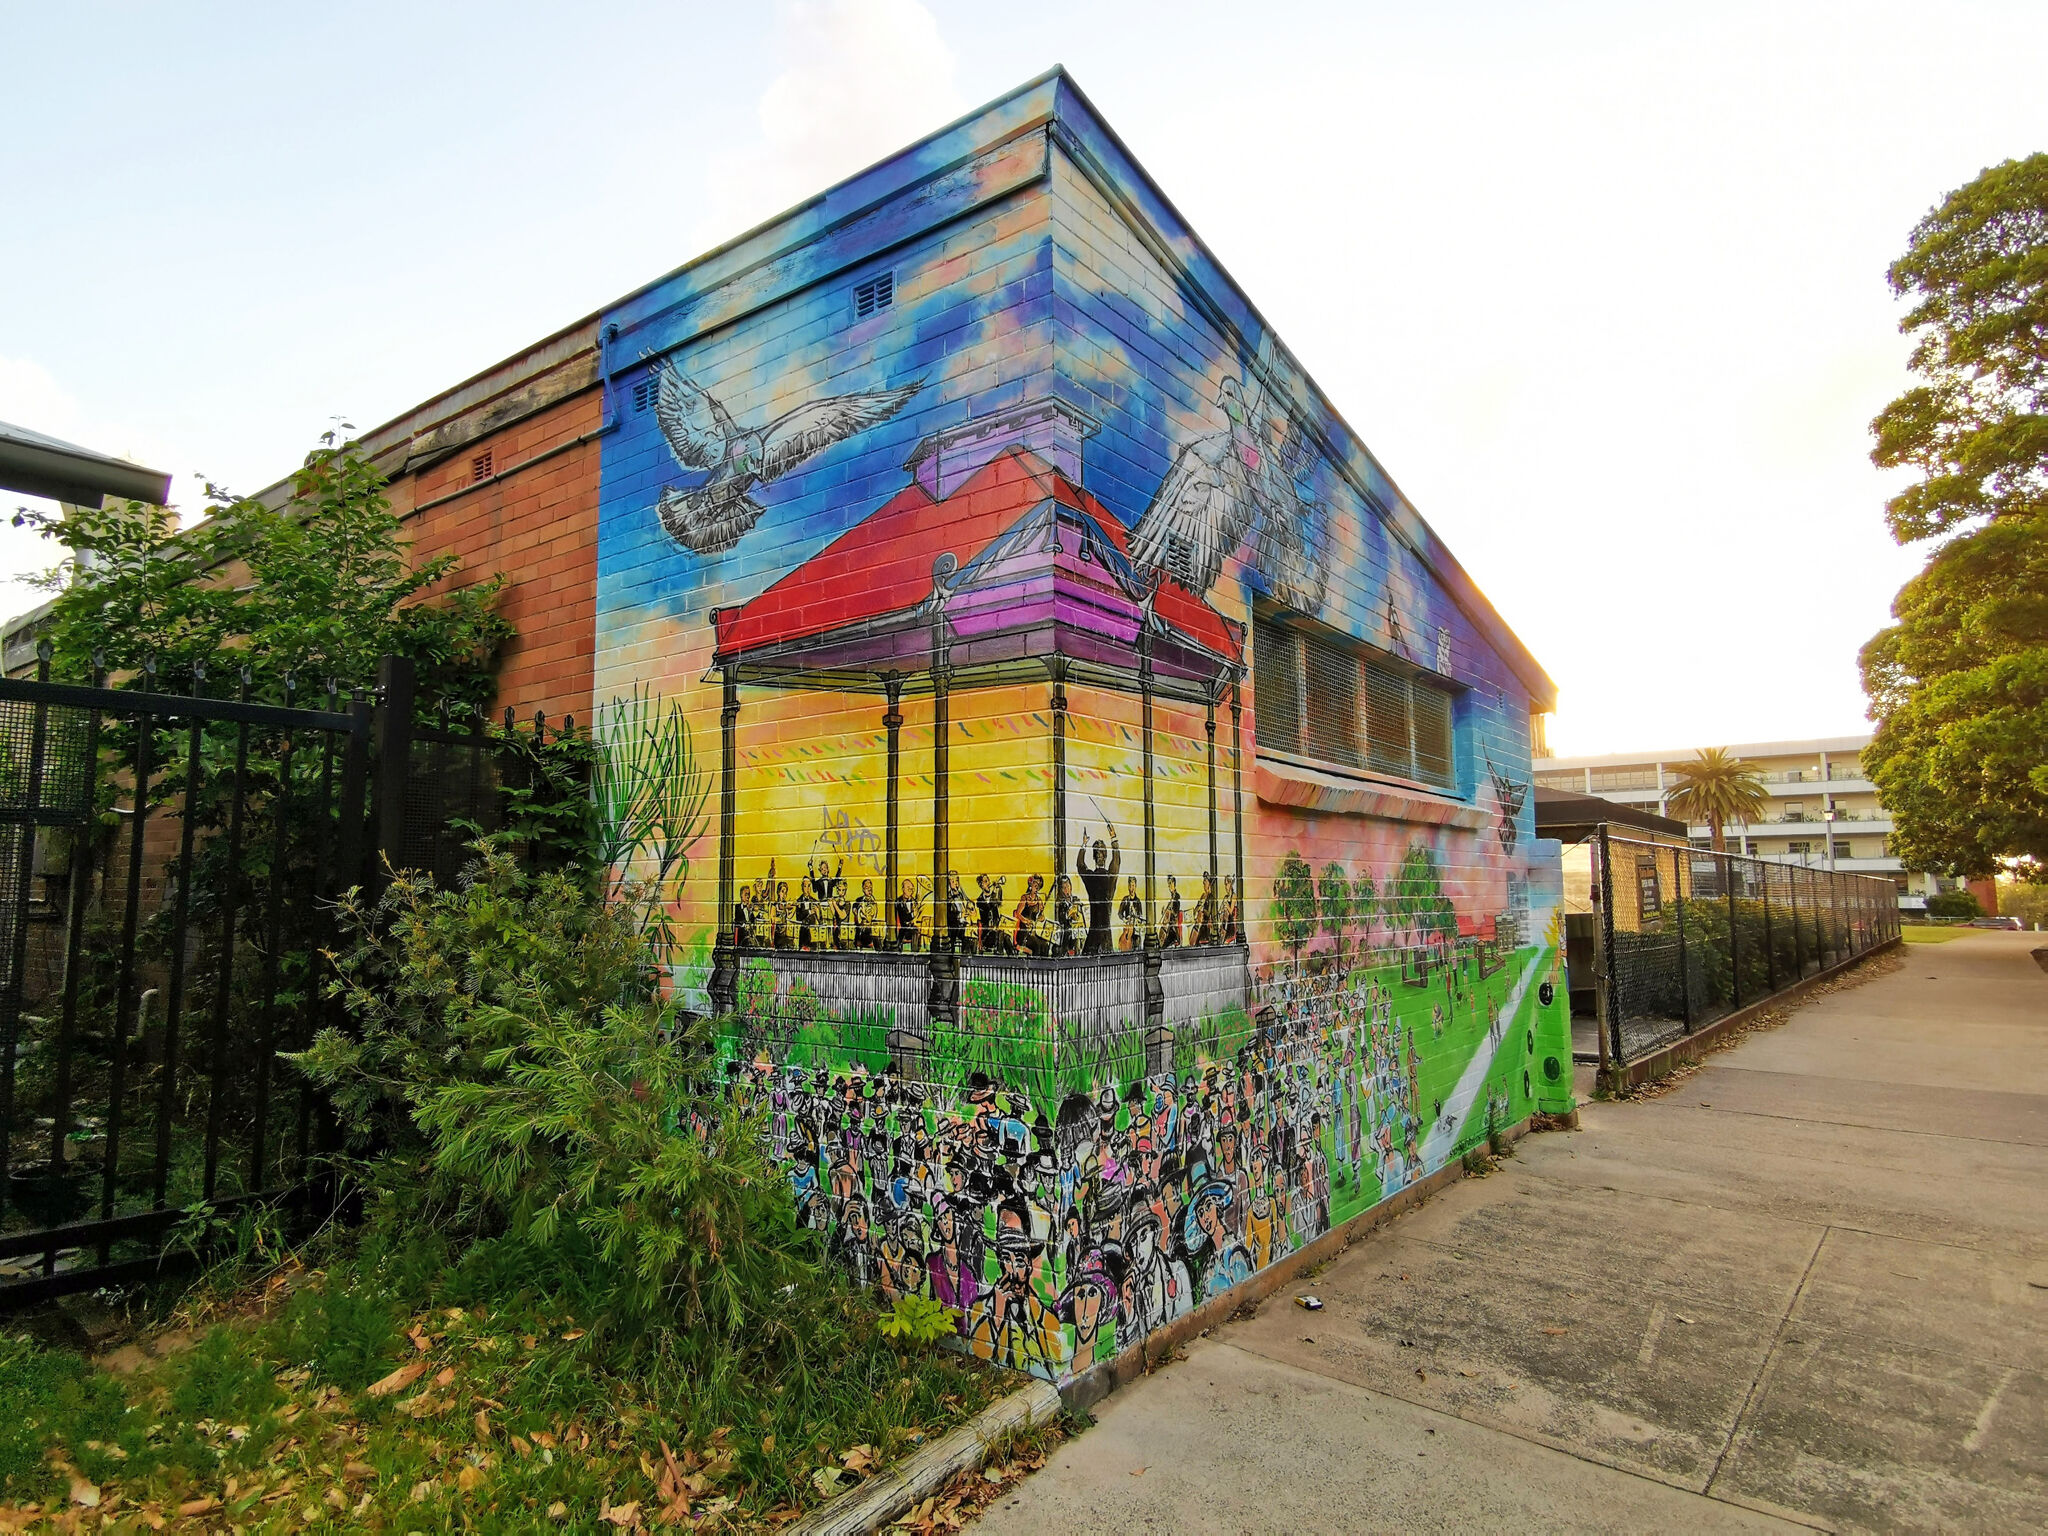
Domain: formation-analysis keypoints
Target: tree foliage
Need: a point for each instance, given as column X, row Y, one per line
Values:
column 1959, row 684
column 1717, row 787
column 319, row 588
column 1294, row 902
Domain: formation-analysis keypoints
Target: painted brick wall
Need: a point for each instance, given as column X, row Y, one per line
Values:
column 1072, row 1152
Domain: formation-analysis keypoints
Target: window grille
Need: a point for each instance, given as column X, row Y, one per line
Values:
column 480, row 467
column 1319, row 696
column 1276, row 687
column 1332, row 701
column 875, row 294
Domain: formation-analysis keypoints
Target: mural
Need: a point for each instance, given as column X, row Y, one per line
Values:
column 1063, row 1003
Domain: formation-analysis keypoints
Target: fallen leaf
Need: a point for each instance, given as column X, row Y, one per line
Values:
column 558, row 1510
column 200, row 1505
column 398, row 1380
column 358, row 1469
column 767, row 1444
column 421, row 1490
column 85, row 1492
column 419, row 1338
column 622, row 1515
column 1683, row 1319
column 1555, row 1332
column 483, row 1425
column 572, row 1335
column 446, row 1375
column 859, row 1459
column 519, row 1444
column 1418, row 1374
column 829, row 1481
column 468, row 1478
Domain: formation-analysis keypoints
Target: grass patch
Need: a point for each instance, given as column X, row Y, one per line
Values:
column 1927, row 933
column 325, row 1404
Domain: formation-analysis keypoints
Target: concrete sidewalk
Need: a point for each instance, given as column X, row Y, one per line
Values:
column 1809, row 1284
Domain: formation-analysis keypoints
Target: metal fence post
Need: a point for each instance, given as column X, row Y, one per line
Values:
column 1734, row 928
column 1679, row 865
column 1610, row 982
column 1770, row 937
column 391, row 737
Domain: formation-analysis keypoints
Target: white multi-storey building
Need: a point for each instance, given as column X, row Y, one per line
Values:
column 1823, row 811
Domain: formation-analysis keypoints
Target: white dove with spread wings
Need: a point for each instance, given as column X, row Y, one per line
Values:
column 709, row 518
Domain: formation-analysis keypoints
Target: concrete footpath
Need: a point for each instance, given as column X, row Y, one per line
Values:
column 1808, row 1285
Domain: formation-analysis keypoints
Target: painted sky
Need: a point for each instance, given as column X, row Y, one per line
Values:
column 1602, row 286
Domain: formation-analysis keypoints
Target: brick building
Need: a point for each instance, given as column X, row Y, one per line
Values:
column 1118, row 868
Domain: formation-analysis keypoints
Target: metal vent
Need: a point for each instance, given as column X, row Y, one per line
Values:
column 876, row 293
column 482, row 466
column 1180, row 560
column 645, row 393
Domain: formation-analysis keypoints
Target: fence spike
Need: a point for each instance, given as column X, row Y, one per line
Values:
column 511, row 720
column 568, row 725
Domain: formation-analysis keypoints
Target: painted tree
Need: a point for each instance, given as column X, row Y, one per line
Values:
column 1418, row 894
column 1958, row 685
column 1363, row 896
column 1334, row 895
column 1294, row 903
column 1717, row 787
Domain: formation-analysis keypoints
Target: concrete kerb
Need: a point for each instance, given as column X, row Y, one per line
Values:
column 1156, row 1348
column 1667, row 1059
column 894, row 1489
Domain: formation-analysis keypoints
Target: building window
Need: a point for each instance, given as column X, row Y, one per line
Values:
column 1842, row 848
column 876, row 293
column 1323, row 697
column 1795, row 810
column 1799, row 850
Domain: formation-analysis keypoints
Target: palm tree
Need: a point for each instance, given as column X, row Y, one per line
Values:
column 1718, row 788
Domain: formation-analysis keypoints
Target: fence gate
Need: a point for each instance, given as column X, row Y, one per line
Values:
column 165, row 860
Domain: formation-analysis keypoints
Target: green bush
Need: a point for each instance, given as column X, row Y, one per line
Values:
column 1954, row 904
column 523, row 1080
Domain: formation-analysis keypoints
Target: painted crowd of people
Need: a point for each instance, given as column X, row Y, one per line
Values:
column 1060, row 1238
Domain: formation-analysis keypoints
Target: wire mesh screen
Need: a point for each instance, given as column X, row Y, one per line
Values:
column 1687, row 936
column 452, row 798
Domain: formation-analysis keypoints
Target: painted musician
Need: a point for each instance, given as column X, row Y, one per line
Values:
column 1233, row 924
column 956, row 912
column 743, row 918
column 1170, row 930
column 1099, row 880
column 782, row 930
column 1208, row 921
column 988, row 912
column 865, row 913
column 842, row 911
column 1130, row 912
column 806, row 912
column 1070, row 920
column 908, row 934
column 1029, row 936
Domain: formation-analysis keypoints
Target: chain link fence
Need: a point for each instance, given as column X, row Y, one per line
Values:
column 1684, row 937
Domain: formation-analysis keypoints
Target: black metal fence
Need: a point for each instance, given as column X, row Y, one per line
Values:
column 169, row 864
column 1685, row 937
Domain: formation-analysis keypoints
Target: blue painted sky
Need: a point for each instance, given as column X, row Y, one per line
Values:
column 1602, row 286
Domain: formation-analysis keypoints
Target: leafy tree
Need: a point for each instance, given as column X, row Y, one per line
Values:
column 1717, row 788
column 1294, row 903
column 317, row 589
column 1958, row 685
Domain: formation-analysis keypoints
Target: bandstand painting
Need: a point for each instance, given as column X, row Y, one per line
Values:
column 993, row 572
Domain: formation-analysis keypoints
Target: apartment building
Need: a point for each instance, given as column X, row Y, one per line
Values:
column 1823, row 811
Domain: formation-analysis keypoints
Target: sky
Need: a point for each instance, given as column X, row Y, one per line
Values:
column 1602, row 286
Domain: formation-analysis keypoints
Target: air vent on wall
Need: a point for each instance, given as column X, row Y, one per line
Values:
column 645, row 392
column 876, row 293
column 480, row 467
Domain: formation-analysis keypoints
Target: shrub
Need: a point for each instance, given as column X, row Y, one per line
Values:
column 1954, row 904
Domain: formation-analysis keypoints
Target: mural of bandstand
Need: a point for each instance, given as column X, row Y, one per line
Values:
column 994, row 569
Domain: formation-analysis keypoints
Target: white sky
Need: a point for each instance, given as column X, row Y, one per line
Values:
column 1602, row 285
